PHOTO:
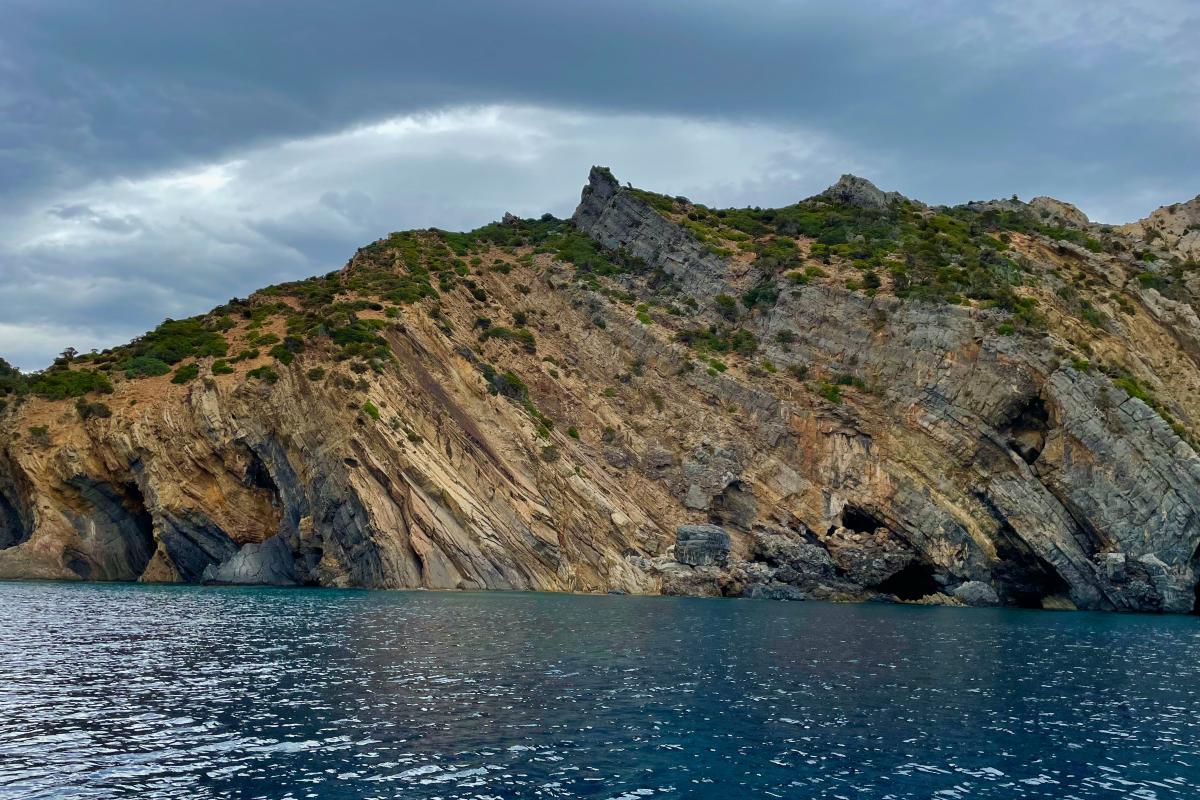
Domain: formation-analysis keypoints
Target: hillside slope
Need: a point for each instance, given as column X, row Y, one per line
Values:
column 868, row 397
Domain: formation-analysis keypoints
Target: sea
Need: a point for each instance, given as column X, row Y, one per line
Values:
column 152, row 691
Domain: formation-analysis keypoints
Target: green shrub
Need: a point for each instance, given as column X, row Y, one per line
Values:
column 40, row 435
column 765, row 293
column 830, row 391
column 88, row 410
column 1134, row 388
column 573, row 432
column 264, row 373
column 61, row 383
column 719, row 340
column 1152, row 280
column 282, row 354
column 520, row 335
column 186, row 373
column 726, row 306
column 221, row 367
column 12, row 381
column 316, row 373
column 145, row 367
column 175, row 340
column 370, row 410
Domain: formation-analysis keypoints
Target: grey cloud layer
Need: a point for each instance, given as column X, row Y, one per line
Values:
column 1098, row 103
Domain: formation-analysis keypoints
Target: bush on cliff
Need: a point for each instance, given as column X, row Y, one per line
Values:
column 61, row 383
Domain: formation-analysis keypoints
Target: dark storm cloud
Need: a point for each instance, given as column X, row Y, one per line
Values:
column 1097, row 103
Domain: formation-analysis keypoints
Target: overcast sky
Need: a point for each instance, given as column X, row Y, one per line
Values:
column 158, row 158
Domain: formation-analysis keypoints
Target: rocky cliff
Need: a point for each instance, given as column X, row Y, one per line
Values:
column 854, row 397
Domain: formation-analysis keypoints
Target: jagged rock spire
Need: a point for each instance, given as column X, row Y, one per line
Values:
column 855, row 191
column 600, row 188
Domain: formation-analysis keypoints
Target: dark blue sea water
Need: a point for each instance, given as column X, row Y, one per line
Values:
column 184, row 692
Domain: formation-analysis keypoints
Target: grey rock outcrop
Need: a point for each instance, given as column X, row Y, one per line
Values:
column 855, row 191
column 701, row 545
column 976, row 593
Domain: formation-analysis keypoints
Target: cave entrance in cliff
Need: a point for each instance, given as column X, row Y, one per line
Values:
column 912, row 583
column 1023, row 578
column 123, row 531
column 259, row 477
column 1026, row 434
column 12, row 528
column 1196, row 572
column 860, row 520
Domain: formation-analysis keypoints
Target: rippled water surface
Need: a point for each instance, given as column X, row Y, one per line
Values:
column 183, row 692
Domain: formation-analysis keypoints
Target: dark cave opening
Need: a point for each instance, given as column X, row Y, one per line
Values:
column 1024, row 579
column 912, row 583
column 1196, row 573
column 859, row 520
column 259, row 477
column 1026, row 434
column 122, row 531
column 13, row 530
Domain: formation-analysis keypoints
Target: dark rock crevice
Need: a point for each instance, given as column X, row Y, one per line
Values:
column 1027, row 430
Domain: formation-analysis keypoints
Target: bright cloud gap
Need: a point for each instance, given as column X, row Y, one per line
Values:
column 118, row 256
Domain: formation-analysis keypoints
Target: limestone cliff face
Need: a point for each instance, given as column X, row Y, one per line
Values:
column 549, row 422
